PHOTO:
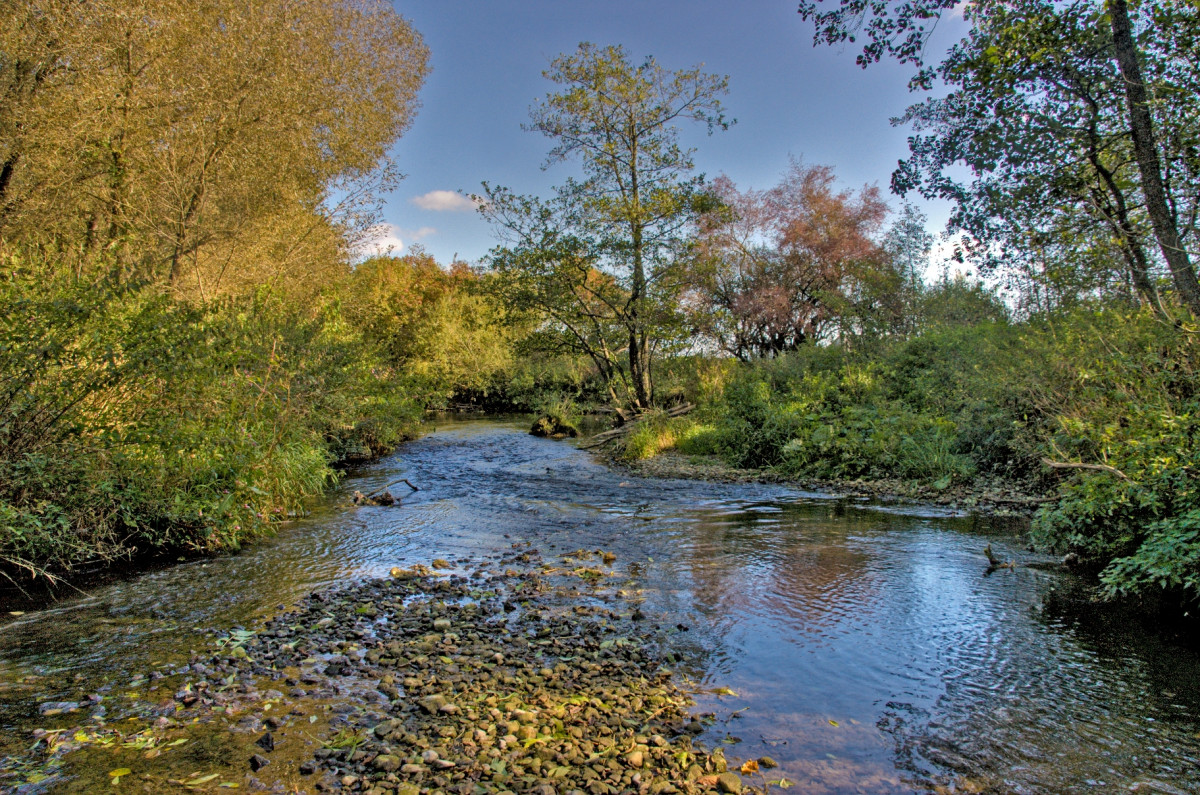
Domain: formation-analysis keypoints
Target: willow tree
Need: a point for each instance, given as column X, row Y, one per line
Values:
column 204, row 145
column 628, row 213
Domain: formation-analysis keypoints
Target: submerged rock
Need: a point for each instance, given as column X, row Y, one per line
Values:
column 553, row 427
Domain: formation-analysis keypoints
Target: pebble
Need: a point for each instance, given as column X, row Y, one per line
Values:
column 729, row 782
column 514, row 683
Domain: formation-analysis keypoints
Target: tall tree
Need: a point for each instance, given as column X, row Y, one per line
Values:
column 1052, row 108
column 628, row 213
column 1145, row 147
column 176, row 140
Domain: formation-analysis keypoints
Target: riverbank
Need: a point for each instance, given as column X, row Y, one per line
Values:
column 507, row 674
column 986, row 497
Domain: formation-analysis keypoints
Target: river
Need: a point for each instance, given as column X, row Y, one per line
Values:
column 865, row 647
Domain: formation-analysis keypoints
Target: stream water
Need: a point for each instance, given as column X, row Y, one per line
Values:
column 866, row 647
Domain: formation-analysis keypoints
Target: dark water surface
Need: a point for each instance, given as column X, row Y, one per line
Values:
column 866, row 648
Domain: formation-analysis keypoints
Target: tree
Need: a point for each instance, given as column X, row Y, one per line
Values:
column 775, row 269
column 1052, row 108
column 626, row 216
column 907, row 245
column 175, row 139
column 437, row 325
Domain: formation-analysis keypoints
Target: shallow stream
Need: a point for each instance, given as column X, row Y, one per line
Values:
column 866, row 647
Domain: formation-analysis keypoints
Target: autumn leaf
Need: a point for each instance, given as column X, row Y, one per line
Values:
column 749, row 767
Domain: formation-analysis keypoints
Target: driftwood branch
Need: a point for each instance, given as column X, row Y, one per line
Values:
column 604, row 438
column 376, row 493
column 1094, row 467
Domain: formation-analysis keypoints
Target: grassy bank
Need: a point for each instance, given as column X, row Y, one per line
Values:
column 135, row 422
column 1095, row 408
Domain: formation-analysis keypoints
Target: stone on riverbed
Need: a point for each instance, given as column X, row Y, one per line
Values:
column 387, row 763
column 729, row 782
column 518, row 684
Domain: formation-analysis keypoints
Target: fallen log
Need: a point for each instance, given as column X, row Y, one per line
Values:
column 601, row 439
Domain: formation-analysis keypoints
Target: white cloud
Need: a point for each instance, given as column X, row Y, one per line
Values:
column 416, row 234
column 381, row 240
column 444, row 201
column 384, row 239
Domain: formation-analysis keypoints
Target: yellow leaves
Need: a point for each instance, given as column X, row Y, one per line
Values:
column 193, row 783
column 748, row 767
column 723, row 691
column 116, row 775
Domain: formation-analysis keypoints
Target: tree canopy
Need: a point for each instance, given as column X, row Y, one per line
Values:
column 1073, row 119
column 205, row 146
column 607, row 243
column 777, row 268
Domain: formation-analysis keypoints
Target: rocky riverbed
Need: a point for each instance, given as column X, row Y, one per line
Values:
column 505, row 674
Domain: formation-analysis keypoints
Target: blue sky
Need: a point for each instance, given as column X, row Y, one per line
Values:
column 789, row 99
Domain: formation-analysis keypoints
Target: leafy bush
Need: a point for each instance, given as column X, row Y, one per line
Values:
column 1124, row 396
column 1111, row 388
column 130, row 421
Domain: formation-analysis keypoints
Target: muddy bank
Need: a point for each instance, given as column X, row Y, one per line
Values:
column 993, row 497
column 508, row 674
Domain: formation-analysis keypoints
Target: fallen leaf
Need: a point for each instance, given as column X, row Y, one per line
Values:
column 749, row 767
column 202, row 780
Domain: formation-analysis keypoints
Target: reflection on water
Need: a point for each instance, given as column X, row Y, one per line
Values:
column 867, row 651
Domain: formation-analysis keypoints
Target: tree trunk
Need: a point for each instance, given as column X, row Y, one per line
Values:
column 639, row 349
column 1141, row 127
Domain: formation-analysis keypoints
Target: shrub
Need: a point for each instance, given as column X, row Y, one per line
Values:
column 130, row 421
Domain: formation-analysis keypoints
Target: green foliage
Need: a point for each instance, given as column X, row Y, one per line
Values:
column 598, row 261
column 1114, row 390
column 660, row 432
column 838, row 425
column 131, row 421
column 447, row 332
column 1124, row 395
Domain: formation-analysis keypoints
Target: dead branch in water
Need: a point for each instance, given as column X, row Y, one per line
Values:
column 604, row 438
column 381, row 496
